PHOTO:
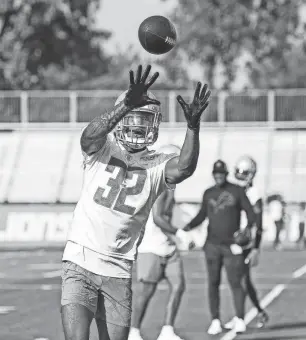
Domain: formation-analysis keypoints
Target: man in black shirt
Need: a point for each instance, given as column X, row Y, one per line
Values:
column 222, row 205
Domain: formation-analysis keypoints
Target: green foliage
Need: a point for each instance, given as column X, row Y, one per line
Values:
column 49, row 44
column 216, row 32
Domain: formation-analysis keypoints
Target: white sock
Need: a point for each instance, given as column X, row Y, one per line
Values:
column 168, row 329
column 134, row 330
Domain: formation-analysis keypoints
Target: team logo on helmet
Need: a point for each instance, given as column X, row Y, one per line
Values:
column 245, row 170
column 139, row 128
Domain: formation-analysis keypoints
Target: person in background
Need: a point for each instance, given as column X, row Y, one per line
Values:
column 222, row 205
column 245, row 172
column 277, row 213
column 158, row 258
column 301, row 241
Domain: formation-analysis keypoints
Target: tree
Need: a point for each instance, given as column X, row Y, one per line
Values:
column 50, row 44
column 172, row 75
column 217, row 33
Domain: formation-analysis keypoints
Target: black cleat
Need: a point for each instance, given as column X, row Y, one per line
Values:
column 262, row 319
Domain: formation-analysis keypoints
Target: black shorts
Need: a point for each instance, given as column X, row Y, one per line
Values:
column 109, row 298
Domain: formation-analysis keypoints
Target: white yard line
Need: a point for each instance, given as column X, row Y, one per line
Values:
column 22, row 286
column 6, row 309
column 299, row 272
column 270, row 297
column 55, row 273
column 44, row 266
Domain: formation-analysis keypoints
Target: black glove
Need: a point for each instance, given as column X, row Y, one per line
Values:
column 243, row 237
column 194, row 110
column 187, row 228
column 136, row 95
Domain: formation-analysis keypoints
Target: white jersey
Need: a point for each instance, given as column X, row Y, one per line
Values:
column 155, row 240
column 118, row 192
column 253, row 196
column 276, row 210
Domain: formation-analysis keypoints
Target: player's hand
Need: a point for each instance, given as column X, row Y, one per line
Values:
column 185, row 240
column 243, row 237
column 194, row 110
column 136, row 95
column 253, row 258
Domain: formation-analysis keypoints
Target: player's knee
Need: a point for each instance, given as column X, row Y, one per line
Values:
column 146, row 289
column 244, row 283
column 178, row 287
column 238, row 283
column 214, row 282
column 76, row 320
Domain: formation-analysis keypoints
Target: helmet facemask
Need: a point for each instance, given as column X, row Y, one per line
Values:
column 138, row 129
column 245, row 171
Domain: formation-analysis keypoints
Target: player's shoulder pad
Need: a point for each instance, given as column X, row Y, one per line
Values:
column 153, row 158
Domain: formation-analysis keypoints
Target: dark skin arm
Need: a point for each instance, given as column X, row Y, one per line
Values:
column 247, row 207
column 253, row 257
column 161, row 213
column 95, row 134
column 199, row 218
column 258, row 207
column 180, row 168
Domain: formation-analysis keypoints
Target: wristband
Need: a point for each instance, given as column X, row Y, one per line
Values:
column 194, row 128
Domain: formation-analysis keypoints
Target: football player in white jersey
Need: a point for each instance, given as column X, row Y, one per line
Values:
column 157, row 259
column 122, row 180
column 245, row 171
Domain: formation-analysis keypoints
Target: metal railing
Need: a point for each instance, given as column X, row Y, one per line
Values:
column 286, row 108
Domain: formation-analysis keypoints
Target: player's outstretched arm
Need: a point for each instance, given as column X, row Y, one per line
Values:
column 94, row 135
column 182, row 167
column 200, row 217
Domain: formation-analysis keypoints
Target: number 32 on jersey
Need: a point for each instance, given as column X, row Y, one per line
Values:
column 116, row 197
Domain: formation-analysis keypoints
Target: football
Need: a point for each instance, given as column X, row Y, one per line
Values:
column 157, row 35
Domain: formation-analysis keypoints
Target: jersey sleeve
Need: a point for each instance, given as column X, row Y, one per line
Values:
column 158, row 175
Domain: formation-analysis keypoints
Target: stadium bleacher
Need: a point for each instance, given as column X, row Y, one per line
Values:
column 73, row 174
column 46, row 166
column 9, row 146
column 39, row 167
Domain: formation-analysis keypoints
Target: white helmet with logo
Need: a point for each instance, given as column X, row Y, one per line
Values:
column 245, row 170
column 139, row 128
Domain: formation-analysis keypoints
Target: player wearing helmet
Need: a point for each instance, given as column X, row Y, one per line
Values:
column 122, row 180
column 158, row 258
column 222, row 205
column 245, row 171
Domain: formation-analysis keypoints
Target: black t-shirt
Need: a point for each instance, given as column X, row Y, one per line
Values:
column 222, row 206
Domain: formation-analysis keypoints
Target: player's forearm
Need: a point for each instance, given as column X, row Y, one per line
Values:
column 94, row 135
column 259, row 230
column 164, row 225
column 189, row 155
column 196, row 221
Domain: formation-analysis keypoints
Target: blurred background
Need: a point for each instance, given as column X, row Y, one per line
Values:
column 64, row 62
